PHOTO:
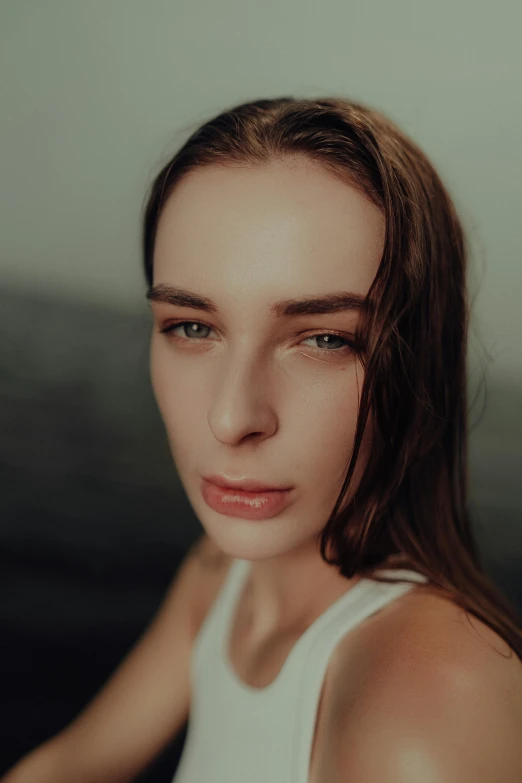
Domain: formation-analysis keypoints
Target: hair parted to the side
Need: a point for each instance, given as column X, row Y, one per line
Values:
column 411, row 501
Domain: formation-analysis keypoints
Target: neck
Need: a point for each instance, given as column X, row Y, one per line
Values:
column 289, row 589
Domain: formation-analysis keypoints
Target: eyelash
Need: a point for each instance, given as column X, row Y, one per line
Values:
column 348, row 348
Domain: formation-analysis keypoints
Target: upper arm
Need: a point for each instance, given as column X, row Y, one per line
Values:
column 146, row 701
column 435, row 731
column 422, row 715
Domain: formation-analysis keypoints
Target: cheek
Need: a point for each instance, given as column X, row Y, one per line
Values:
column 325, row 424
column 336, row 403
column 169, row 380
column 175, row 397
column 341, row 432
column 159, row 376
column 362, row 459
column 318, row 414
column 342, row 428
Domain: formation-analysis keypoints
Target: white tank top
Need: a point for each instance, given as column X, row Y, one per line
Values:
column 240, row 734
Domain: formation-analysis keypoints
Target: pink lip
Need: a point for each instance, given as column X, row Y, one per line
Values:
column 249, row 485
column 241, row 503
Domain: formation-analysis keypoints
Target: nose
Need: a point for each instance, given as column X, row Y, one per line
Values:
column 243, row 406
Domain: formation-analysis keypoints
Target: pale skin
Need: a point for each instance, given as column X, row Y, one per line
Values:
column 415, row 693
column 259, row 396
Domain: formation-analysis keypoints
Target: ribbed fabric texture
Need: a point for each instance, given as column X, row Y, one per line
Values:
column 240, row 734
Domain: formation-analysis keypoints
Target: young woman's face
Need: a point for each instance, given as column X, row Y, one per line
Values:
column 244, row 391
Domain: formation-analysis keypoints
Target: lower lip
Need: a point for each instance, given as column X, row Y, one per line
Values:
column 248, row 505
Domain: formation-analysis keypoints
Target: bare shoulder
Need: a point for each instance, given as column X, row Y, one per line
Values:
column 437, row 691
column 425, row 637
column 434, row 633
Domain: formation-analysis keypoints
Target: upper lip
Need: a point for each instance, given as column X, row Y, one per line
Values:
column 249, row 485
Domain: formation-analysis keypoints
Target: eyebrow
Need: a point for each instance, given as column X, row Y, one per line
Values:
column 316, row 305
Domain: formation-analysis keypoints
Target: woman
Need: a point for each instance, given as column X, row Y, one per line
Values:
column 306, row 271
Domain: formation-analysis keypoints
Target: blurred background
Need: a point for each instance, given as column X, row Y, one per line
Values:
column 94, row 99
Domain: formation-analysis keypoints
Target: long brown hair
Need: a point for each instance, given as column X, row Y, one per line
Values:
column 410, row 504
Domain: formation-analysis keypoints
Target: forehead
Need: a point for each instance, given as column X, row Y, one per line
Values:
column 280, row 228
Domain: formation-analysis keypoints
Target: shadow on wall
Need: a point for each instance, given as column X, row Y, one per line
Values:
column 95, row 521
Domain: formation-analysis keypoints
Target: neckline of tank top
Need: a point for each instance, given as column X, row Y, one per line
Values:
column 238, row 576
